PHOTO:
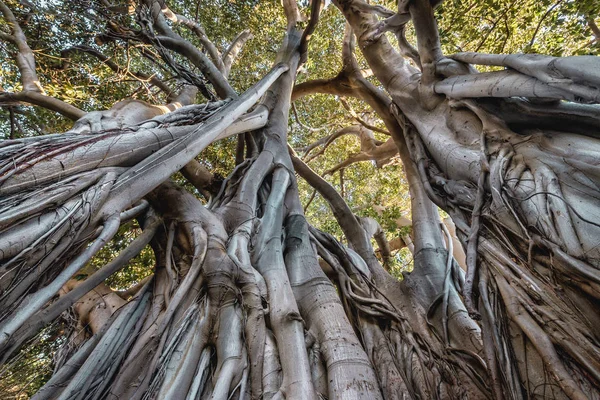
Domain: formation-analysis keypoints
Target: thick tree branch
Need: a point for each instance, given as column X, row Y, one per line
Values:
column 151, row 172
column 212, row 50
column 349, row 64
column 174, row 42
column 509, row 83
column 353, row 231
column 428, row 39
column 234, row 49
column 236, row 279
column 315, row 11
column 24, row 57
column 429, row 48
column 199, row 176
column 374, row 230
column 196, row 57
column 42, row 100
column 292, row 13
column 561, row 72
column 336, row 86
column 425, row 216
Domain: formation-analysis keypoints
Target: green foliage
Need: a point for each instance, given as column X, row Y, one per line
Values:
column 401, row 262
column 26, row 373
column 553, row 27
column 137, row 269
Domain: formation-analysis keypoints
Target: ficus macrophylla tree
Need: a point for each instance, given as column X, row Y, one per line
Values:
column 246, row 298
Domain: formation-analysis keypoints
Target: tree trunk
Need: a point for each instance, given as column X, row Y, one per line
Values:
column 523, row 199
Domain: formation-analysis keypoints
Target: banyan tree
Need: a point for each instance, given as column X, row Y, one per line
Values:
column 246, row 297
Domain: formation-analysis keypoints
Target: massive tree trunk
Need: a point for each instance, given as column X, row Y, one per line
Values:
column 248, row 300
column 519, row 178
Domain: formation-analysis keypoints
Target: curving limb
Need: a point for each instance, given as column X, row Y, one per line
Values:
column 32, row 91
column 381, row 154
column 234, row 49
column 208, row 45
column 167, row 38
column 24, row 57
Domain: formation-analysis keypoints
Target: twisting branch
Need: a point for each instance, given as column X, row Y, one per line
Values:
column 222, row 62
column 198, row 59
column 529, row 75
column 350, row 80
column 494, row 24
column 539, row 25
column 32, row 89
column 328, row 140
column 310, row 128
column 407, row 49
column 24, row 57
column 395, row 23
column 345, row 83
column 234, row 49
column 381, row 153
column 354, row 232
column 172, row 41
column 374, row 230
column 373, row 9
column 181, row 71
column 310, row 200
column 315, row 11
column 212, row 50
